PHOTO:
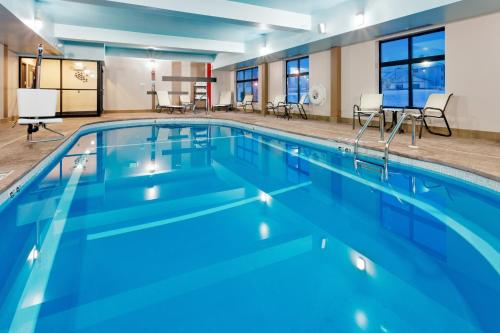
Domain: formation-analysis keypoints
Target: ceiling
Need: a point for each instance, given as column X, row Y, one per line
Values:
column 299, row 6
column 225, row 32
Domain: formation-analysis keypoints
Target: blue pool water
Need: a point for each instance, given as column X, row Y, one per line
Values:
column 204, row 228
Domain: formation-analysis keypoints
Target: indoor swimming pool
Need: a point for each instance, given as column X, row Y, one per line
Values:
column 215, row 227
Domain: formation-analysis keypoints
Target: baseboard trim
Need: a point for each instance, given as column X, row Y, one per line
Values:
column 127, row 111
column 456, row 132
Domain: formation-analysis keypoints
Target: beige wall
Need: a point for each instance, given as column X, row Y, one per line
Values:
column 359, row 64
column 126, row 81
column 12, row 83
column 472, row 73
column 224, row 83
column 8, row 83
column 2, row 83
column 319, row 74
column 276, row 79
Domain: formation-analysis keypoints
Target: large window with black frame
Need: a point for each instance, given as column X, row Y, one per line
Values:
column 411, row 68
column 297, row 80
column 247, row 82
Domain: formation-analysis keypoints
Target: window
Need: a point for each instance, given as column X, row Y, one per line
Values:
column 297, row 79
column 247, row 82
column 412, row 68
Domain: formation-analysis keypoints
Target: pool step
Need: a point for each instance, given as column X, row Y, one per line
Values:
column 367, row 164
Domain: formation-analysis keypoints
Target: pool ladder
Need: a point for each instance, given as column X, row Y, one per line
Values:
column 387, row 143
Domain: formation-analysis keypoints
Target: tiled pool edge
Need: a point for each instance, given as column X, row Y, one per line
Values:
column 451, row 171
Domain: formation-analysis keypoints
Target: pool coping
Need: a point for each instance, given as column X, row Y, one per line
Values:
column 474, row 177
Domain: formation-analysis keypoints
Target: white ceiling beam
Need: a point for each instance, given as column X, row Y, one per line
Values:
column 230, row 10
column 121, row 37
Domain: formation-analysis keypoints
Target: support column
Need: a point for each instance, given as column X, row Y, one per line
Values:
column 335, row 86
column 176, row 85
column 264, row 87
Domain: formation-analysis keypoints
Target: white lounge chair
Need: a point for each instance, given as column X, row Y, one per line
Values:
column 37, row 108
column 165, row 103
column 369, row 104
column 225, row 101
column 435, row 108
column 300, row 106
column 247, row 101
column 278, row 102
column 186, row 102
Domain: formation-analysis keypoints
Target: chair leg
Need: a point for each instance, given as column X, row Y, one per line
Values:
column 421, row 128
column 440, row 134
column 302, row 112
column 353, row 120
column 447, row 125
column 34, row 128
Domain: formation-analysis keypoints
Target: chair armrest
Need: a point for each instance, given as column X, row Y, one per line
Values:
column 431, row 108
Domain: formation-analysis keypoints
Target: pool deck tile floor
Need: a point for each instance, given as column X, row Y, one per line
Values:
column 482, row 157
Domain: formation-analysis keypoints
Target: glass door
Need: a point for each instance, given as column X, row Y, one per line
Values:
column 79, row 83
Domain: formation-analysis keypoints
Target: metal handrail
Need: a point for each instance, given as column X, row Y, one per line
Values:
column 360, row 134
column 388, row 143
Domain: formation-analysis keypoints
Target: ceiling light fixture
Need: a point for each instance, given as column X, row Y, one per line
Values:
column 263, row 26
column 359, row 19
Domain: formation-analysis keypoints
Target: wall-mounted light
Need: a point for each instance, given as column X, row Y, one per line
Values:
column 152, row 65
column 38, row 24
column 322, row 28
column 359, row 19
column 265, row 46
